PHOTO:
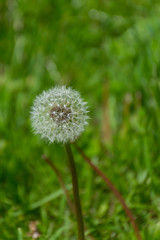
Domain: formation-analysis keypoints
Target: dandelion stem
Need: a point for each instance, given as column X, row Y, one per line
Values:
column 76, row 193
column 114, row 190
column 60, row 179
column 61, row 182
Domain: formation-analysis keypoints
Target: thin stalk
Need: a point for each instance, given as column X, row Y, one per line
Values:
column 57, row 172
column 76, row 193
column 114, row 190
column 61, row 182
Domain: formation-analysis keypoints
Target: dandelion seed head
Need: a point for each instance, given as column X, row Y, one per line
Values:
column 59, row 114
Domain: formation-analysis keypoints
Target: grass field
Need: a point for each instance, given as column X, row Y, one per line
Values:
column 110, row 52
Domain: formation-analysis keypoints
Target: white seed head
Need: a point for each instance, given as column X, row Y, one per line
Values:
column 59, row 114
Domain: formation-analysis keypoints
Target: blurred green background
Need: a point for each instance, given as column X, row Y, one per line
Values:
column 110, row 52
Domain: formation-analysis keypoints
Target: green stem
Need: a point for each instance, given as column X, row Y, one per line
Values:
column 76, row 193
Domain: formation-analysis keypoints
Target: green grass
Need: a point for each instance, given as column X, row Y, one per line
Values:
column 89, row 45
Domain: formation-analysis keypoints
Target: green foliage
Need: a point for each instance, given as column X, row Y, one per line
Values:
column 89, row 45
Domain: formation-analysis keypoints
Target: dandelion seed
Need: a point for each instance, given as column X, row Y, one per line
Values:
column 59, row 114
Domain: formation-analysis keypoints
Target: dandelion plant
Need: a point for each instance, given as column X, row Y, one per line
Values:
column 60, row 115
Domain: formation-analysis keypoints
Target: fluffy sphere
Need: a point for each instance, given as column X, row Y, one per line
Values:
column 59, row 114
